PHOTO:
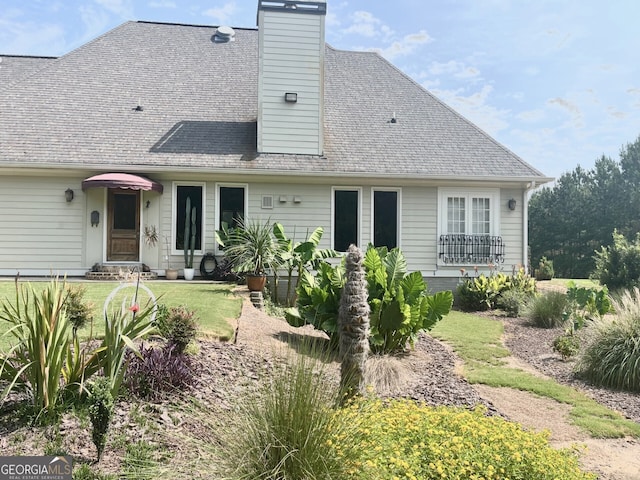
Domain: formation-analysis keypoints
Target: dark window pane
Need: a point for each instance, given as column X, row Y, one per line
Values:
column 124, row 211
column 231, row 205
column 182, row 193
column 345, row 226
column 385, row 219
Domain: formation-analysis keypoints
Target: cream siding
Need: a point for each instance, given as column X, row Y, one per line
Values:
column 291, row 60
column 41, row 233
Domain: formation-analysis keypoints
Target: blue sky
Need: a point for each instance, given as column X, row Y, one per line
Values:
column 556, row 81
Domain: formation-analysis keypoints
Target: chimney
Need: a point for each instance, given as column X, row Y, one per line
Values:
column 291, row 76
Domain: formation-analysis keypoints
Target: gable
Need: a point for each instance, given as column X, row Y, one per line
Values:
column 167, row 97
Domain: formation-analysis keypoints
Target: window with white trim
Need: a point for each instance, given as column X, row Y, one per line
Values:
column 468, row 230
column 195, row 194
column 346, row 217
column 232, row 205
column 386, row 217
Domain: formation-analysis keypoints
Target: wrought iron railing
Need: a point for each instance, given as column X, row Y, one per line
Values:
column 459, row 248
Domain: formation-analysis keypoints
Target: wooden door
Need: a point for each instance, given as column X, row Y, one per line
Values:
column 123, row 236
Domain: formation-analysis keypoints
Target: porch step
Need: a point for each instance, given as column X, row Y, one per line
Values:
column 119, row 272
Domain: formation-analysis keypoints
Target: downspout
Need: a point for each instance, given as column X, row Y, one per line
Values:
column 525, row 224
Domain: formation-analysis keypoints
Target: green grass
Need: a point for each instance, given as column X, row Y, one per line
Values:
column 215, row 304
column 580, row 282
column 477, row 340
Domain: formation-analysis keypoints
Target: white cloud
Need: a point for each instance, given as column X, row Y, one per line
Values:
column 365, row 24
column 162, row 4
column 122, row 8
column 405, row 46
column 531, row 115
column 222, row 15
column 571, row 108
column 475, row 107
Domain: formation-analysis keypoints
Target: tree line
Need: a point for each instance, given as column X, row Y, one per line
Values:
column 578, row 215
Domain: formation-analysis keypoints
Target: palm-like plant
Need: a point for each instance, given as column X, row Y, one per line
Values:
column 353, row 322
column 249, row 247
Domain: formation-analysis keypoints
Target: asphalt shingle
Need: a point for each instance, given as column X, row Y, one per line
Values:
column 199, row 110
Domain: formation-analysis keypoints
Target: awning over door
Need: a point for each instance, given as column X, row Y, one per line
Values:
column 121, row 180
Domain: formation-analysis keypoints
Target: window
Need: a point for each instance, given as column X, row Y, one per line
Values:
column 195, row 194
column 385, row 218
column 231, row 205
column 346, row 218
column 469, row 227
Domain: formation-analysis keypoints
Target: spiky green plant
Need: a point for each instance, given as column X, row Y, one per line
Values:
column 353, row 325
column 612, row 358
column 40, row 327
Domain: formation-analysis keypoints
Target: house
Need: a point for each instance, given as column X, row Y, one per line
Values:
column 108, row 141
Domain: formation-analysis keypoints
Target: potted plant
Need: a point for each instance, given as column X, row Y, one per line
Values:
column 169, row 272
column 251, row 250
column 189, row 242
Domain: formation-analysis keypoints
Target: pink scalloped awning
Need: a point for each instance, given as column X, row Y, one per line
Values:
column 121, row 180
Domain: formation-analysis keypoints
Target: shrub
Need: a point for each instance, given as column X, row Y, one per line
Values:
column 548, row 310
column 586, row 304
column 618, row 265
column 544, row 270
column 567, row 345
column 399, row 304
column 78, row 311
column 179, row 326
column 100, row 412
column 513, row 302
column 404, row 439
column 612, row 358
column 286, row 429
column 477, row 294
column 158, row 371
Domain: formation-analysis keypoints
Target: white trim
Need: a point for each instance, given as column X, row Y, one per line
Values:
column 203, row 222
column 467, row 192
column 398, row 190
column 333, row 210
column 216, row 215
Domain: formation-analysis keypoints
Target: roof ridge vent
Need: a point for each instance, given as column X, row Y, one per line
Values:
column 224, row 34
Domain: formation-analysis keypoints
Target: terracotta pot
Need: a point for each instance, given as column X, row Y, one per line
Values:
column 256, row 283
column 171, row 273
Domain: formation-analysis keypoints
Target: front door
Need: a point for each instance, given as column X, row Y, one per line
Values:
column 123, row 236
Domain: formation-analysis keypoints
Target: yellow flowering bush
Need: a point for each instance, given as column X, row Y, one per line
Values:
column 402, row 439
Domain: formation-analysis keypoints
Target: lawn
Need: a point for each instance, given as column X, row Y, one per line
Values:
column 216, row 306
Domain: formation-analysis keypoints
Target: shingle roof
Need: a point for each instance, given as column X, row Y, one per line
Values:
column 17, row 67
column 199, row 101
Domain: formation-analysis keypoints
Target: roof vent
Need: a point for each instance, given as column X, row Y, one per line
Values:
column 224, row 35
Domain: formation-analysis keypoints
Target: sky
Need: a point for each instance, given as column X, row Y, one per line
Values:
column 555, row 81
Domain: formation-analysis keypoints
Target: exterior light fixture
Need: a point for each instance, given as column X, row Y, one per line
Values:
column 512, row 204
column 291, row 97
column 68, row 195
column 148, row 204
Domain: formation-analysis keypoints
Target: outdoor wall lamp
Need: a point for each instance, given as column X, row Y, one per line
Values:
column 68, row 195
column 291, row 97
column 148, row 204
column 512, row 204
